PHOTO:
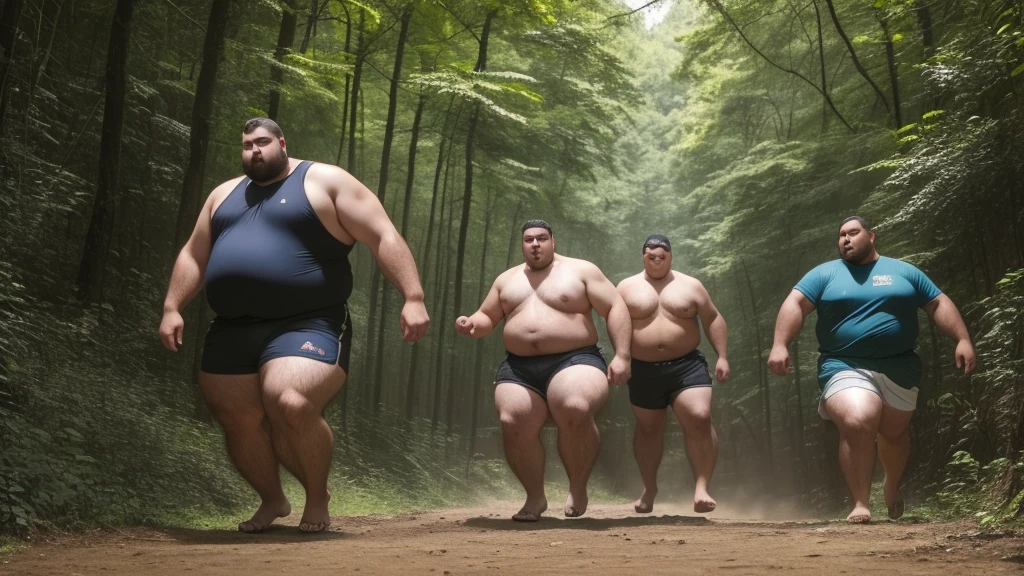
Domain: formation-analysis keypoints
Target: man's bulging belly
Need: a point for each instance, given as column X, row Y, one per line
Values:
column 549, row 331
column 664, row 338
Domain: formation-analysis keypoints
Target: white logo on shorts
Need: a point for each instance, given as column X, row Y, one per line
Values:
column 884, row 280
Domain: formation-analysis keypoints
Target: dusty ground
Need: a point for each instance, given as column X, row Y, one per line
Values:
column 608, row 540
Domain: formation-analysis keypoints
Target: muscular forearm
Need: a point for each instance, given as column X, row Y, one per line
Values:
column 397, row 265
column 717, row 335
column 789, row 323
column 620, row 329
column 186, row 281
column 947, row 318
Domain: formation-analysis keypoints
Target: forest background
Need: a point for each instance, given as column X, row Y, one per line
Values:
column 745, row 130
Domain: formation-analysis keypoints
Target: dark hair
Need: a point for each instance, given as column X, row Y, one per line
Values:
column 537, row 224
column 863, row 223
column 266, row 123
column 656, row 241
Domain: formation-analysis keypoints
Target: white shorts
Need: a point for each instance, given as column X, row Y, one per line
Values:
column 891, row 393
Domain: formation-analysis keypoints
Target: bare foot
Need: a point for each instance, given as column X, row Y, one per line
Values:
column 530, row 511
column 265, row 516
column 894, row 502
column 575, row 507
column 315, row 518
column 861, row 515
column 703, row 503
column 645, row 505
column 896, row 509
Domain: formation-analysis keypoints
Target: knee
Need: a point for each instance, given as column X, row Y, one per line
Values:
column 857, row 423
column 293, row 409
column 575, row 413
column 697, row 421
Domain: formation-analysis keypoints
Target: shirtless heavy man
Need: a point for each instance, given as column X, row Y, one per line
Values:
column 272, row 250
column 668, row 370
column 553, row 366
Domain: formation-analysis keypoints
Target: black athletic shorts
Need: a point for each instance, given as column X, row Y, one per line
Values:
column 242, row 347
column 536, row 372
column 655, row 385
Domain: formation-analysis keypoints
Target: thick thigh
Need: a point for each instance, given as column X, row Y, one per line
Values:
column 692, row 406
column 895, row 423
column 232, row 397
column 577, row 391
column 855, row 410
column 292, row 378
column 520, row 408
column 648, row 421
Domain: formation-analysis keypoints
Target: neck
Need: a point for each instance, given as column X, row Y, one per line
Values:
column 651, row 277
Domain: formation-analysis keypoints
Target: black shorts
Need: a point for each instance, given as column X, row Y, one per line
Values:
column 655, row 385
column 242, row 347
column 536, row 372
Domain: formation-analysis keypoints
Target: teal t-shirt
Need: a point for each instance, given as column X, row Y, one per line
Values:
column 867, row 317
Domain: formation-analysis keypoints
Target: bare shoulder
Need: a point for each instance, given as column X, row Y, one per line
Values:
column 508, row 275
column 585, row 268
column 688, row 281
column 631, row 282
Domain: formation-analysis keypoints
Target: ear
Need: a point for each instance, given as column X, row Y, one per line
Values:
column 284, row 145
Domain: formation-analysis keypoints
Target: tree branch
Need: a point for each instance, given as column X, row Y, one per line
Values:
column 853, row 56
column 721, row 10
column 634, row 11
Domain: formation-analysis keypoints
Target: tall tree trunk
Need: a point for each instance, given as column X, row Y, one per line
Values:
column 202, row 111
column 478, row 354
column 108, row 187
column 314, row 15
column 894, row 79
column 348, row 80
column 382, row 186
column 357, row 76
column 410, row 390
column 9, row 19
column 924, row 19
column 285, row 40
column 439, row 354
column 467, row 198
column 761, row 376
column 821, row 61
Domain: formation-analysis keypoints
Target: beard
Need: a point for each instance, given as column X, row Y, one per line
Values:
column 539, row 264
column 268, row 169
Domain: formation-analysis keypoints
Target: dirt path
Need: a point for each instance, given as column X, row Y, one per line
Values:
column 609, row 540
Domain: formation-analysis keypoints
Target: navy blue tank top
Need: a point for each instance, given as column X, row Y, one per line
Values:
column 272, row 258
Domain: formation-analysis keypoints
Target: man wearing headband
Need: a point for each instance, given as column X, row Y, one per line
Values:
column 553, row 367
column 669, row 370
column 868, row 371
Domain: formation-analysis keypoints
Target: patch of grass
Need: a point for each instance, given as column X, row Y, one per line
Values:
column 10, row 545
